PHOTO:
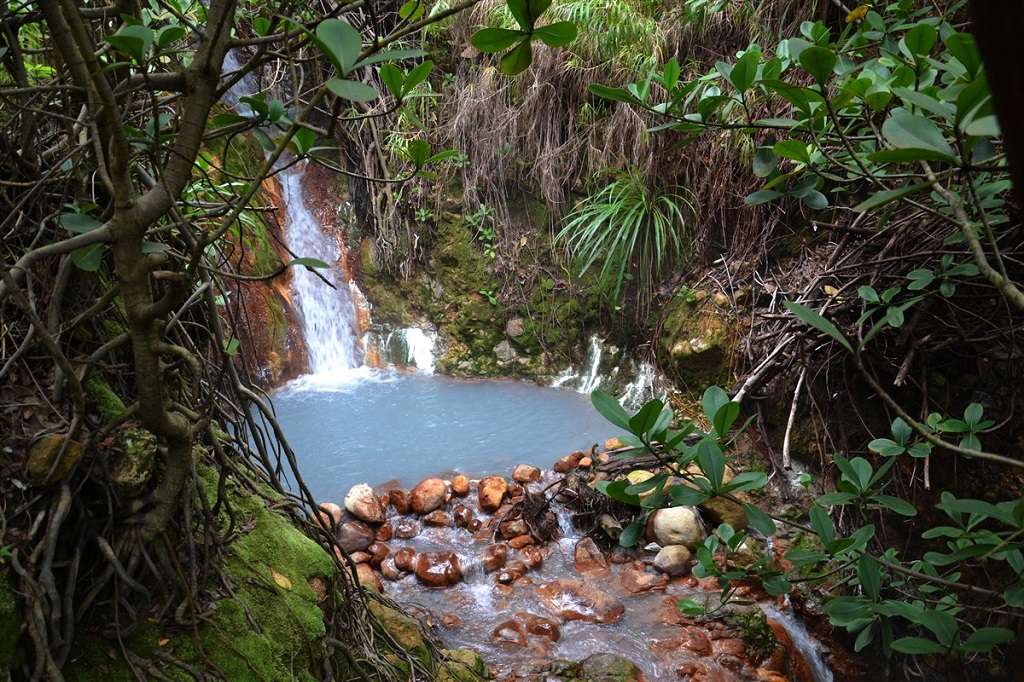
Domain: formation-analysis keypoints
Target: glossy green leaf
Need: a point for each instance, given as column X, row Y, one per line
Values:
column 495, row 39
column 155, row 247
column 168, row 35
column 942, row 624
column 762, row 197
column 632, row 533
column 391, row 77
column 670, row 75
column 79, row 223
column 869, row 576
column 518, row 59
column 964, row 47
column 795, row 150
column 308, row 262
column 133, row 40
column 888, row 196
column 822, row 524
column 907, row 131
column 354, row 91
column 713, row 400
column 340, row 42
column 685, row 496
column 744, row 71
column 711, row 461
column 920, row 40
column 917, row 645
column 610, row 409
column 617, row 491
column 412, row 10
column 557, row 34
column 985, row 639
column 759, row 521
column 819, row 62
column 895, row 504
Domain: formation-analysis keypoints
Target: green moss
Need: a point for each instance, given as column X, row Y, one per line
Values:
column 103, row 396
column 695, row 343
column 461, row 665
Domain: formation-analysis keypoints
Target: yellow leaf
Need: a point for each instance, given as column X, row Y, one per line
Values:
column 857, row 14
column 830, row 290
column 163, row 641
column 281, row 581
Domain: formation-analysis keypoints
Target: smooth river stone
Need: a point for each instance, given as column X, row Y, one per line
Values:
column 524, row 473
column 677, row 526
column 438, row 569
column 364, row 504
column 576, row 600
column 355, row 536
column 588, row 557
column 428, row 495
column 492, row 491
column 460, row 486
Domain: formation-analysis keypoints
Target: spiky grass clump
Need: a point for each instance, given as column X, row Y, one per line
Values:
column 635, row 232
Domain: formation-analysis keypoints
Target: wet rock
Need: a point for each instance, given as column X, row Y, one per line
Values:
column 333, row 511
column 588, row 557
column 542, row 627
column 355, row 536
column 576, row 600
column 360, row 557
column 368, row 577
column 610, row 667
column 405, row 558
column 511, row 528
column 509, row 633
column 494, row 557
column 532, row 556
column 719, row 510
column 515, row 493
column 364, row 504
column 524, row 473
column 612, row 444
column 520, row 541
column 492, row 491
column 507, row 575
column 406, row 529
column 438, row 569
column 474, row 525
column 460, row 486
column 463, row 516
column 390, row 570
column 438, row 519
column 450, row 620
column 401, row 499
column 677, row 526
column 45, row 454
column 515, row 327
column 673, row 560
column 636, row 581
column 378, row 551
column 569, row 462
column 385, row 531
column 428, row 495
column 586, row 463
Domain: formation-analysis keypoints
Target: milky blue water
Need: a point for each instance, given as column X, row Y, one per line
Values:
column 373, row 426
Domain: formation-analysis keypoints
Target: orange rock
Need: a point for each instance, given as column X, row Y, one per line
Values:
column 520, row 541
column 588, row 557
column 492, row 491
column 524, row 473
column 428, row 495
column 460, row 486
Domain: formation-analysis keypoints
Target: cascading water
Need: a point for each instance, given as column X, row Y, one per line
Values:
column 327, row 308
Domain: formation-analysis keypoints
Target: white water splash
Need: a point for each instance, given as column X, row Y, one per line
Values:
column 327, row 309
column 596, row 374
column 807, row 646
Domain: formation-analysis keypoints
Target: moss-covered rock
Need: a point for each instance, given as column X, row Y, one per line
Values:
column 694, row 344
column 100, row 394
column 461, row 665
column 131, row 461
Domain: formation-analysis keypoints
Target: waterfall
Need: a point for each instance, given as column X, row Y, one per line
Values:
column 328, row 314
column 634, row 382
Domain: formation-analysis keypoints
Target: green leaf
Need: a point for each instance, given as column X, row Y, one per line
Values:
column 632, row 533
column 133, row 40
column 888, row 196
column 744, row 71
column 835, row 499
column 416, row 76
column 353, row 91
column 964, row 48
column 340, row 43
column 920, row 39
column 302, row 141
column 610, row 409
column 984, row 639
column 822, row 524
column 79, row 223
column 869, row 576
column 762, row 197
column 89, row 258
column 556, row 35
column 229, row 119
column 689, row 607
column 518, row 59
column 759, row 521
column 942, row 624
column 169, row 34
column 845, row 610
column 670, row 76
column 907, row 131
column 390, row 56
column 917, row 645
column 418, row 152
column 819, row 62
column 812, row 318
column 412, row 10
column 308, row 262
column 392, row 78
column 686, row 496
column 231, row 347
column 155, row 247
column 711, row 461
column 615, row 94
column 495, row 39
column 713, row 400
column 764, row 162
column 748, row 480
column 617, row 491
column 777, row 586
column 794, row 150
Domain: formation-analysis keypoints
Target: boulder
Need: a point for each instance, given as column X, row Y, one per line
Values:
column 401, row 499
column 492, row 491
column 406, row 529
column 494, row 557
column 391, row 571
column 677, row 526
column 428, row 495
column 719, row 510
column 588, row 557
column 450, row 620
column 46, row 454
column 378, row 551
column 576, row 600
column 367, row 577
column 333, row 511
column 610, row 667
column 673, row 560
column 438, row 569
column 509, row 633
column 463, row 516
column 524, row 473
column 364, row 504
column 569, row 462
column 460, row 486
column 355, row 536
column 635, row 580
column 385, row 531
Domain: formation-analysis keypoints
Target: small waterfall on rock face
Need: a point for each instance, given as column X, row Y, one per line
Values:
column 328, row 314
column 602, row 371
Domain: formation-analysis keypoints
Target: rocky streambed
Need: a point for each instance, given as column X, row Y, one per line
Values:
column 521, row 570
